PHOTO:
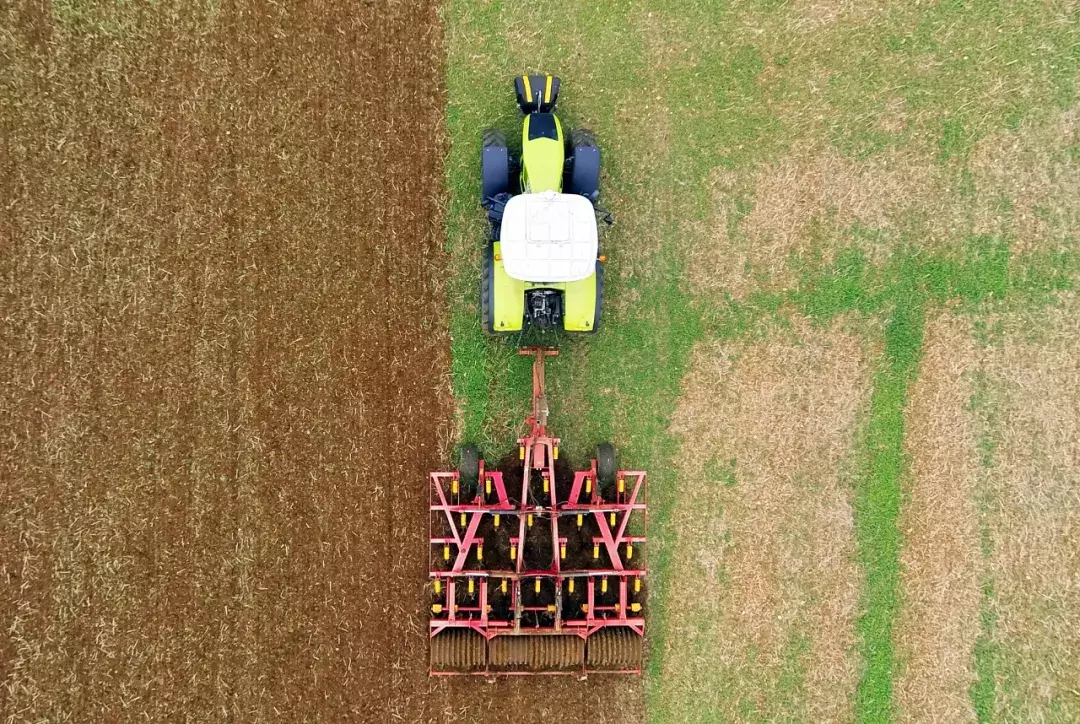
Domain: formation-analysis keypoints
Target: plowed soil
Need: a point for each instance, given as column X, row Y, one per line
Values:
column 224, row 368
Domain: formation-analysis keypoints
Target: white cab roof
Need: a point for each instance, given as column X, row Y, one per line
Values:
column 549, row 237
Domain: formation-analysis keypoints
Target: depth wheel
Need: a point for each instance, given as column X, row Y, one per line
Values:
column 606, row 467
column 469, row 470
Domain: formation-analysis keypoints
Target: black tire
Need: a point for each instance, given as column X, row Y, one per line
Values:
column 493, row 137
column 577, row 137
column 583, row 174
column 606, row 467
column 469, row 470
column 582, row 137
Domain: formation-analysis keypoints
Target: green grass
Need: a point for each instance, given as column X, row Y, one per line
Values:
column 676, row 93
column 877, row 507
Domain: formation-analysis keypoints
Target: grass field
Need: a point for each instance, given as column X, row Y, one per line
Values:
column 787, row 175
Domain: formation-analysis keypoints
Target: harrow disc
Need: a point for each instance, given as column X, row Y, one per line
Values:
column 617, row 649
column 537, row 653
column 457, row 650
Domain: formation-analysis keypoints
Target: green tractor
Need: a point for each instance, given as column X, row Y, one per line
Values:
column 542, row 268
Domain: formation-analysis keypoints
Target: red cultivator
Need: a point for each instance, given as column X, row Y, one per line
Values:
column 537, row 570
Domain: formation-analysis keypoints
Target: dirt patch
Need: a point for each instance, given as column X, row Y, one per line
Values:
column 801, row 206
column 763, row 588
column 1021, row 184
column 1027, row 182
column 225, row 368
column 1035, row 515
column 941, row 559
column 818, row 15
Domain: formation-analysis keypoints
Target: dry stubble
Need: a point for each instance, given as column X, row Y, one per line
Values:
column 764, row 588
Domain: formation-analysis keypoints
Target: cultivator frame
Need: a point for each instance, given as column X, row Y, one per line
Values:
column 546, row 582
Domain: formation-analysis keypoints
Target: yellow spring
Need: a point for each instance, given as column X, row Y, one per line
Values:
column 454, row 486
column 446, row 553
column 562, row 551
column 596, row 550
column 480, row 553
column 436, row 608
column 580, row 519
column 487, row 485
column 622, row 485
column 588, row 485
column 438, row 586
column 503, row 586
column 635, row 607
column 611, row 518
column 551, row 608
column 603, row 585
column 529, row 519
column 629, row 551
column 546, row 486
column 537, row 586
column 497, row 520
column 462, row 520
column 555, row 452
column 571, row 586
column 513, row 552
column 472, row 587
column 521, row 452
column 637, row 585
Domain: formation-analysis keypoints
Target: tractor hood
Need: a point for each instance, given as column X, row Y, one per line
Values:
column 549, row 237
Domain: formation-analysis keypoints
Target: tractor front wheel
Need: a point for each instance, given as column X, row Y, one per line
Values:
column 584, row 171
column 494, row 165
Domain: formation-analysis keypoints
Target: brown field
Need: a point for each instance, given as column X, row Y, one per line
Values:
column 225, row 368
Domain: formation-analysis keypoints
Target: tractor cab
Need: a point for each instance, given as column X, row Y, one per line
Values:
column 549, row 237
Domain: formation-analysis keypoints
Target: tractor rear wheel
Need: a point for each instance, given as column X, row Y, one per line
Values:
column 606, row 467
column 469, row 470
